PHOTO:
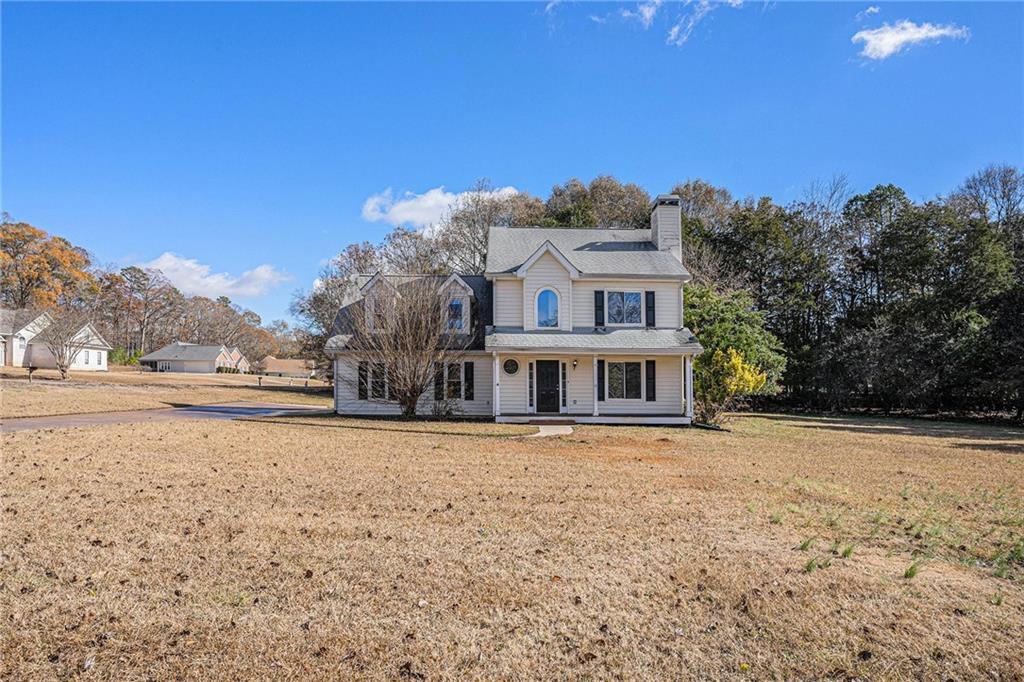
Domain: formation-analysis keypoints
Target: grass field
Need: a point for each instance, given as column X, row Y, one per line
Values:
column 792, row 548
column 128, row 389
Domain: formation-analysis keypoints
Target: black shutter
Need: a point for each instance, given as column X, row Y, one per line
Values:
column 650, row 308
column 598, row 308
column 438, row 381
column 600, row 380
column 650, row 374
column 363, row 387
column 467, row 381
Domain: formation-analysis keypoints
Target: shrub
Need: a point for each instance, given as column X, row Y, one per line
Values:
column 227, row 370
column 721, row 380
column 120, row 356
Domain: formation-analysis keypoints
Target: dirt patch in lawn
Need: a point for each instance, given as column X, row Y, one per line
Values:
column 353, row 548
column 122, row 390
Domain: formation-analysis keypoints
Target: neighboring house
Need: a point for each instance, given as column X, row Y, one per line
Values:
column 585, row 324
column 275, row 367
column 193, row 357
column 238, row 359
column 21, row 345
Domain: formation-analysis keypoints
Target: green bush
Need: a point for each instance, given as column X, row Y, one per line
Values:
column 120, row 356
column 227, row 370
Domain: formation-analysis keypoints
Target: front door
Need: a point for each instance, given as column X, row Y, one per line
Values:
column 547, row 386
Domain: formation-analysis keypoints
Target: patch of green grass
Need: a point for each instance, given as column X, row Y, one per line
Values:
column 847, row 552
column 997, row 599
column 775, row 519
column 807, row 544
column 912, row 570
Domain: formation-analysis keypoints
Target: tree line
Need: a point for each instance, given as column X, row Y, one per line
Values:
column 137, row 310
column 834, row 301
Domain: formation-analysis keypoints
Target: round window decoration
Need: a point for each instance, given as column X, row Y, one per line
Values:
column 511, row 366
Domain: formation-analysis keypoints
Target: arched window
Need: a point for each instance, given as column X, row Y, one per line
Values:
column 547, row 308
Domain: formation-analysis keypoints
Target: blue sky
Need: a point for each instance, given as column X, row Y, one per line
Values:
column 238, row 145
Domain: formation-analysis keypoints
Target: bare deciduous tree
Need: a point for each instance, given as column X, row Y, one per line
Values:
column 66, row 334
column 401, row 332
column 462, row 234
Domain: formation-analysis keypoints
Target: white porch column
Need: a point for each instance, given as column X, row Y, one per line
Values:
column 682, row 385
column 595, row 386
column 689, row 386
column 496, row 388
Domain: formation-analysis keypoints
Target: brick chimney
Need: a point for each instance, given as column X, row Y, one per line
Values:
column 666, row 224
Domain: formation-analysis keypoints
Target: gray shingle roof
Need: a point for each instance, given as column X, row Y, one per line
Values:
column 640, row 340
column 14, row 320
column 481, row 311
column 184, row 351
column 620, row 253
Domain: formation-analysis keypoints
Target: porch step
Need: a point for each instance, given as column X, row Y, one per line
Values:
column 552, row 422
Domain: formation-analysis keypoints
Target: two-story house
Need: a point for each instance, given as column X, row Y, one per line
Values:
column 581, row 324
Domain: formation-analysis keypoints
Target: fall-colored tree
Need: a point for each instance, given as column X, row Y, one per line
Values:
column 35, row 268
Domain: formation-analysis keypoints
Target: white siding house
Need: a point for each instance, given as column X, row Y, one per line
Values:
column 22, row 346
column 580, row 324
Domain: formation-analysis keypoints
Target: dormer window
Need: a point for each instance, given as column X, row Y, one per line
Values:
column 455, row 307
column 547, row 309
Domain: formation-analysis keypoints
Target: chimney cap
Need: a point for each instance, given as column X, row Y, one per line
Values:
column 666, row 200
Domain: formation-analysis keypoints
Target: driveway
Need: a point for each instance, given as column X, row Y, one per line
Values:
column 218, row 412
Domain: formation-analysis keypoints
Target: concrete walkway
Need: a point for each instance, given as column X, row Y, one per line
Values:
column 168, row 414
column 546, row 430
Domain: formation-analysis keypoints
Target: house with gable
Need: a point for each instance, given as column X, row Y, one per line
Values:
column 565, row 323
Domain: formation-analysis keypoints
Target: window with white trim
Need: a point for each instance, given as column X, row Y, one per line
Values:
column 624, row 380
column 378, row 381
column 624, row 308
column 565, row 386
column 455, row 307
column 454, row 381
column 529, row 391
column 547, row 308
column 21, row 343
column 86, row 356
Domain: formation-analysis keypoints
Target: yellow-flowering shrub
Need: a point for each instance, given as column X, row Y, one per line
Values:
column 721, row 379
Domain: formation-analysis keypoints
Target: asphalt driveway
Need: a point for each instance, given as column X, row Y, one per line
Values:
column 218, row 412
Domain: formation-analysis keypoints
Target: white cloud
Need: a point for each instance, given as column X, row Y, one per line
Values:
column 550, row 7
column 885, row 41
column 645, row 12
column 416, row 210
column 681, row 30
column 192, row 277
column 863, row 14
column 598, row 20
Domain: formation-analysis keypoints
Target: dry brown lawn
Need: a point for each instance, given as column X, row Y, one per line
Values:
column 132, row 390
column 333, row 548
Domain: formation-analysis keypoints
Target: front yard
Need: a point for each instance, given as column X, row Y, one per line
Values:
column 304, row 547
column 126, row 389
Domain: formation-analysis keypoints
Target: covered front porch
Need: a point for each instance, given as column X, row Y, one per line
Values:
column 592, row 388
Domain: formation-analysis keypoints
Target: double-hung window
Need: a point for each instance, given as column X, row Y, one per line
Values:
column 624, row 380
column 454, row 381
column 625, row 308
column 378, row 381
column 455, row 314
